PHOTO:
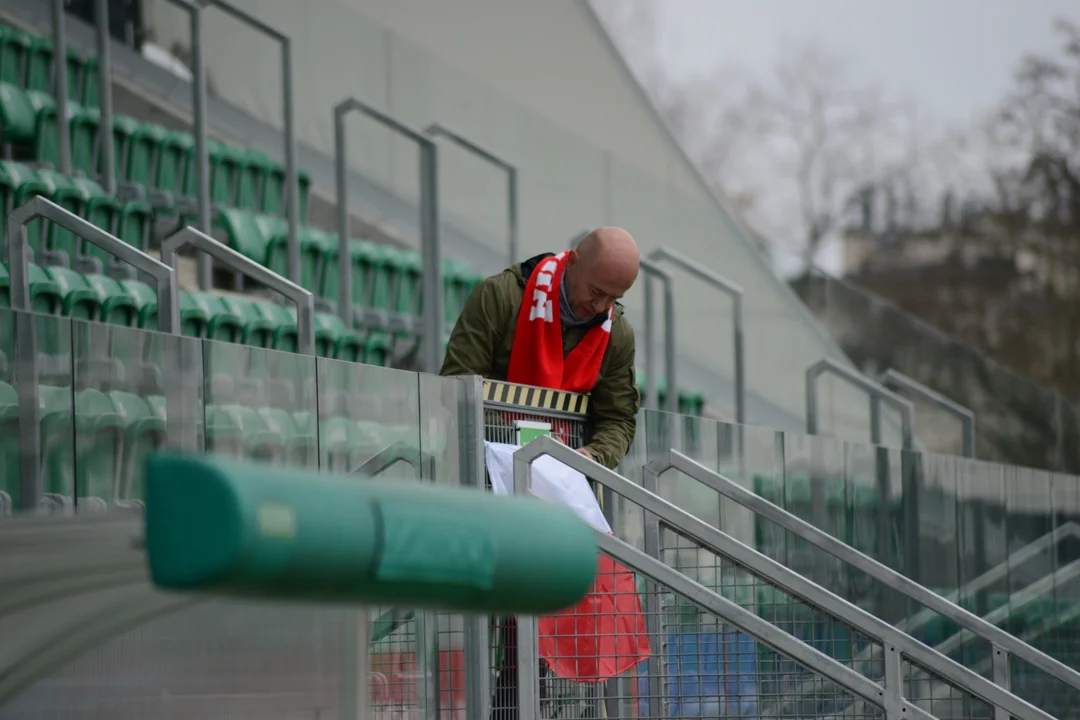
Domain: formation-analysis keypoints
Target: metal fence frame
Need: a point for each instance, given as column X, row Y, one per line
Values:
column 896, row 644
column 896, row 380
column 876, row 392
column 304, row 299
column 1003, row 643
column 652, row 400
column 436, row 130
column 25, row 372
column 433, row 320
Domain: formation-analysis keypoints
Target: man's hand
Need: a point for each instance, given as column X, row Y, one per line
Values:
column 585, row 452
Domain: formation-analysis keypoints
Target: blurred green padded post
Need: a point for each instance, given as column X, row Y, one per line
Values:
column 254, row 530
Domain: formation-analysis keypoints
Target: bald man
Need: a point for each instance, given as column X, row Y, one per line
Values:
column 554, row 321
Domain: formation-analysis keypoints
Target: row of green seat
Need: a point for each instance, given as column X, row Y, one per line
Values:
column 384, row 278
column 115, row 430
column 26, row 61
column 150, row 159
column 246, row 321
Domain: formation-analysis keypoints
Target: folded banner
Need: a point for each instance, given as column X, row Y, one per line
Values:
column 603, row 635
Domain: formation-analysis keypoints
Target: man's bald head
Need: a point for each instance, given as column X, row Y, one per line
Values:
column 600, row 270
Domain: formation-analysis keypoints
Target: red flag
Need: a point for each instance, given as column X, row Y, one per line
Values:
column 603, row 635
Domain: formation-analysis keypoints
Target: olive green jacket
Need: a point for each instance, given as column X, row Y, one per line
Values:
column 480, row 345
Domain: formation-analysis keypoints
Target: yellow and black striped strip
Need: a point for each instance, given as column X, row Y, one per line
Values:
column 535, row 398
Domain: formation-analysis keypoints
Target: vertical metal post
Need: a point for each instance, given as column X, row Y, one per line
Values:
column 512, row 212
column 105, row 99
column 202, row 150
column 528, row 657
column 341, row 171
column 875, row 420
column 656, row 272
column 60, row 82
column 292, row 174
column 877, row 395
column 895, row 379
column 433, row 321
column 894, row 683
column 1000, row 668
column 655, row 665
column 652, row 398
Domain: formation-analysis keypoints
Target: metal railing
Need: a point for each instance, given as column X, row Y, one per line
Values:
column 654, row 271
column 433, row 320
column 876, row 392
column 423, row 463
column 304, row 299
column 60, row 84
column 897, row 646
column 26, row 364
column 1004, row 644
column 894, row 379
column 735, row 294
column 436, row 130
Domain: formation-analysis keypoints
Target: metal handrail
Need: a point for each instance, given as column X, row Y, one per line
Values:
column 60, row 80
column 396, row 452
column 1002, row 641
column 896, row 645
column 436, row 130
column 894, row 379
column 433, row 322
column 653, row 270
column 735, row 293
column 876, row 392
column 305, row 301
column 26, row 364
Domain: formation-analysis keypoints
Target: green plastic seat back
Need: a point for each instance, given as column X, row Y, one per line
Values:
column 222, row 323
column 90, row 83
column 244, row 234
column 145, row 141
column 39, row 65
column 145, row 299
column 251, row 173
column 194, row 320
column 222, row 175
column 18, row 183
column 98, row 207
column 273, row 189
column 283, row 322
column 80, row 301
column 45, row 142
column 304, row 180
column 14, row 49
column 407, row 288
column 377, row 350
column 84, row 129
column 328, row 330
column 76, row 72
column 125, row 129
column 384, row 272
column 144, row 433
column 72, row 197
column 175, row 150
column 17, row 114
column 134, row 223
column 256, row 331
column 118, row 307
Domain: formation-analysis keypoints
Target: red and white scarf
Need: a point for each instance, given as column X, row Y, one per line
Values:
column 537, row 355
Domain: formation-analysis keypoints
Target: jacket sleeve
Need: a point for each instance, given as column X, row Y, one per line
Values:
column 477, row 332
column 615, row 402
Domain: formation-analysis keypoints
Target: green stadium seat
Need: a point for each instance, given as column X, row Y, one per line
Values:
column 38, row 74
column 407, row 290
column 17, row 114
column 225, row 160
column 193, row 319
column 359, row 250
column 300, row 446
column 174, row 155
column 80, row 300
column 145, row 141
column 273, row 192
column 334, row 340
column 253, row 169
column 257, row 441
column 382, row 272
column 314, row 245
column 18, row 184
column 377, row 349
column 85, row 123
column 59, row 246
column 222, row 323
column 117, row 306
column 134, row 224
column 339, row 441
column 14, row 53
column 455, row 275
column 143, row 433
column 46, row 297
column 90, row 83
column 57, row 444
column 282, row 320
column 244, row 234
column 256, row 329
column 125, row 129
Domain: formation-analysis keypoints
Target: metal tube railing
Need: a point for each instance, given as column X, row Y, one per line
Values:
column 896, row 380
column 292, row 178
column 436, row 130
column 897, row 645
column 890, row 578
column 735, row 293
column 18, row 259
column 60, row 83
column 654, row 271
column 876, row 392
column 304, row 299
column 105, row 98
column 433, row 321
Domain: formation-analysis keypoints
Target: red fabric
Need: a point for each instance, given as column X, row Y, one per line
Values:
column 536, row 357
column 603, row 635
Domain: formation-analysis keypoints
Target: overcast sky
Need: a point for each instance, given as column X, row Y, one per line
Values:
column 952, row 57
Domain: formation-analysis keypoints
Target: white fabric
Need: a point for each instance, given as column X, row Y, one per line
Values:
column 551, row 480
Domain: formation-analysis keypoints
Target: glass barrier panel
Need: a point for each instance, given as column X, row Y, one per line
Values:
column 260, row 404
column 55, row 385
